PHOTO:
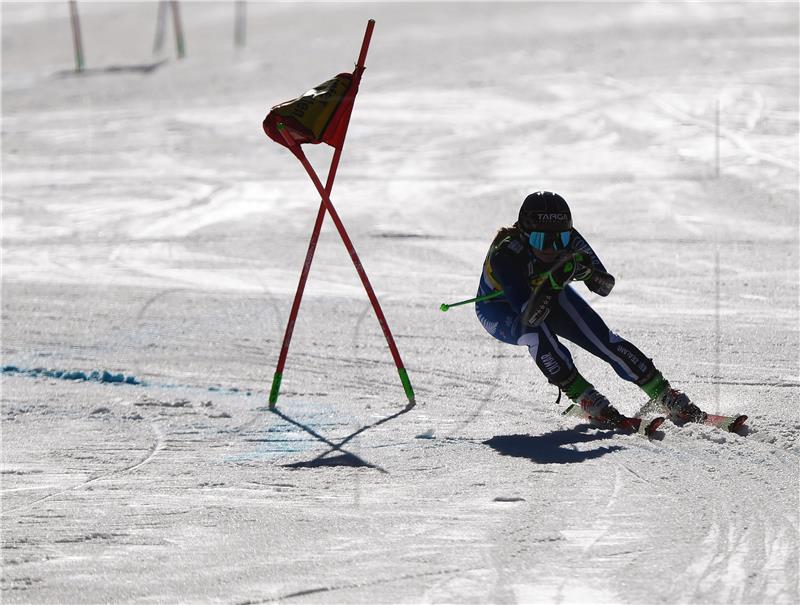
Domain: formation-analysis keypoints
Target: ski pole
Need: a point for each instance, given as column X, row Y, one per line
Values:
column 559, row 264
column 444, row 306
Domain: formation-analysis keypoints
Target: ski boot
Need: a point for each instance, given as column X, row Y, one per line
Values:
column 597, row 408
column 678, row 407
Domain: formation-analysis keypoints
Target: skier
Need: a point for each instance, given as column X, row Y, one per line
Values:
column 533, row 263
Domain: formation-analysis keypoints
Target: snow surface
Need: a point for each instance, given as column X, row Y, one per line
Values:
column 152, row 232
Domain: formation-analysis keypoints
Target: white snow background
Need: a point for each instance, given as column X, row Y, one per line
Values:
column 152, row 242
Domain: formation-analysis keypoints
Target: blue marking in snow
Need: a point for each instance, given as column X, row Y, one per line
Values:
column 107, row 377
column 77, row 375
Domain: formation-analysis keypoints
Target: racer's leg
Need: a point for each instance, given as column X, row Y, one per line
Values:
column 576, row 321
column 553, row 358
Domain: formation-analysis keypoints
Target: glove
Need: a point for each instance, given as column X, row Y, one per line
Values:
column 600, row 282
column 583, row 267
column 538, row 306
column 562, row 273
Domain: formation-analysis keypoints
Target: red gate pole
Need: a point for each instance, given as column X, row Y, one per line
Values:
column 77, row 41
column 298, row 152
column 312, row 244
column 298, row 295
column 176, row 22
column 240, row 24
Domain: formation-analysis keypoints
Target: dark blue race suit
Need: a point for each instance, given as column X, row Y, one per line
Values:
column 510, row 266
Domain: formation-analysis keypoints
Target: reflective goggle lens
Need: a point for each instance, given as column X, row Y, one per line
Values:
column 542, row 240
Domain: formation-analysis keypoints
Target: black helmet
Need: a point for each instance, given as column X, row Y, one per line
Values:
column 544, row 211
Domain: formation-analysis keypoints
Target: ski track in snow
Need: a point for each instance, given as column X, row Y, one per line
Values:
column 157, row 446
column 152, row 231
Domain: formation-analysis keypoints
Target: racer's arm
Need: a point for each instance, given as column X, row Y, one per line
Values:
column 577, row 243
column 590, row 268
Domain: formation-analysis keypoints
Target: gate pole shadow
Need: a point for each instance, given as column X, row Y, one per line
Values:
column 346, row 458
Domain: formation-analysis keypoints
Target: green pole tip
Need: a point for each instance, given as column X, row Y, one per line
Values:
column 281, row 125
column 406, row 384
column 276, row 387
column 444, row 307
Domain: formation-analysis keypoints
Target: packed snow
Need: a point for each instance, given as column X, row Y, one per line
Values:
column 152, row 239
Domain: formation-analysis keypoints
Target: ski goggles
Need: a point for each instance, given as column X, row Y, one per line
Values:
column 544, row 240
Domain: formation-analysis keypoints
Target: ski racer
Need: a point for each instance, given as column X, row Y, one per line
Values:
column 533, row 263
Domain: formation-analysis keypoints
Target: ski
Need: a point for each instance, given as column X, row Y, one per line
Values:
column 633, row 425
column 731, row 424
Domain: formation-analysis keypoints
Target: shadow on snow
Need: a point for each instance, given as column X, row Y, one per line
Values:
column 144, row 68
column 344, row 458
column 552, row 447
